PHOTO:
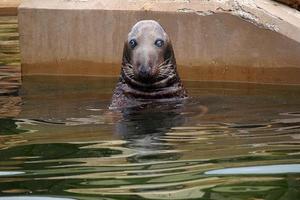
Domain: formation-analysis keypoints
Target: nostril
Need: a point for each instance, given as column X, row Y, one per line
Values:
column 144, row 72
column 143, row 69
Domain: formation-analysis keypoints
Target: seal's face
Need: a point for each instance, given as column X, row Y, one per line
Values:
column 148, row 55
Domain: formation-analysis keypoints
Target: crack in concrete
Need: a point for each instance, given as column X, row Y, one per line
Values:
column 237, row 9
column 241, row 12
column 198, row 12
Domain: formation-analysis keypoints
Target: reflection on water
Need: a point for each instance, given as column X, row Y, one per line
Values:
column 268, row 169
column 33, row 198
column 58, row 140
column 9, row 56
column 9, row 107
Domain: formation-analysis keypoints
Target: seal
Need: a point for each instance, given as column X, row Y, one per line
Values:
column 148, row 71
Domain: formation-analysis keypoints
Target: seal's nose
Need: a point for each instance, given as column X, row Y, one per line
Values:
column 144, row 72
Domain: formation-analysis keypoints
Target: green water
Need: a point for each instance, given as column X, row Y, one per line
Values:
column 58, row 140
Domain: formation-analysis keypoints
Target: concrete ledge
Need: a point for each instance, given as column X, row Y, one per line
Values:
column 253, row 41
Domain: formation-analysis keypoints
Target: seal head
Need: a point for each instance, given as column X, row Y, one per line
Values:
column 148, row 67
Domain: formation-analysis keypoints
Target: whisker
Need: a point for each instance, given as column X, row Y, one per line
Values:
column 164, row 62
column 165, row 66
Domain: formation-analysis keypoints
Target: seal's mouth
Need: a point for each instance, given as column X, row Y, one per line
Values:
column 164, row 76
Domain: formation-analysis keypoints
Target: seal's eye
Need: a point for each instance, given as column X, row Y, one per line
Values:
column 132, row 43
column 159, row 43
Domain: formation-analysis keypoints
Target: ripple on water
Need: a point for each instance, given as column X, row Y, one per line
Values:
column 271, row 169
column 34, row 198
column 228, row 143
column 10, row 173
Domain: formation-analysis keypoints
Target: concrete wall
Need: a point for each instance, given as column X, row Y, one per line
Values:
column 210, row 39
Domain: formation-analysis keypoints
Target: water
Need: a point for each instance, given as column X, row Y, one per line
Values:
column 58, row 140
column 9, row 55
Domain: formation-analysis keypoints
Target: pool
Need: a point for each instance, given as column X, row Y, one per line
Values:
column 59, row 140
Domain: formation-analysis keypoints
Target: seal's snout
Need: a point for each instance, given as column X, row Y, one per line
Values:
column 144, row 73
column 144, row 62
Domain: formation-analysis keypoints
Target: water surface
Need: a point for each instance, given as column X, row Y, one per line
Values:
column 9, row 55
column 231, row 141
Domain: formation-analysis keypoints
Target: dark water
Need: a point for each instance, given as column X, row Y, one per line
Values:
column 58, row 140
